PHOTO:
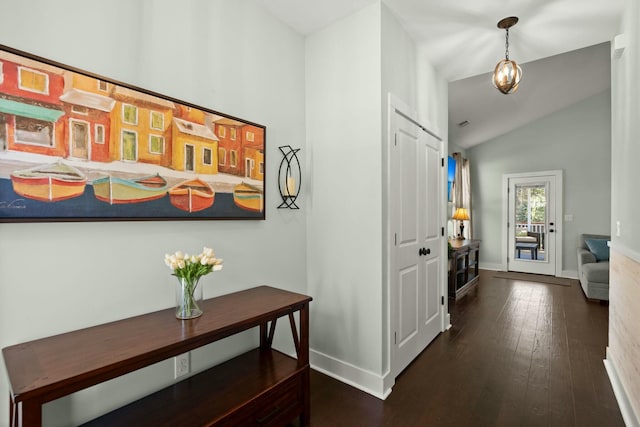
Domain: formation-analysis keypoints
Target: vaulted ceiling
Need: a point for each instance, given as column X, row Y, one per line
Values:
column 461, row 39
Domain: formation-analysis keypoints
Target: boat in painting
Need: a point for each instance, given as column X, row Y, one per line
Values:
column 192, row 195
column 49, row 183
column 248, row 197
column 115, row 190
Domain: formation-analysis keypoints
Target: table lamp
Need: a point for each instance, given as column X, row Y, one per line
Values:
column 461, row 214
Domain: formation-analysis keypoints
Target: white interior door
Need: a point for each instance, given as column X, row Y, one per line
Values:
column 533, row 230
column 416, row 258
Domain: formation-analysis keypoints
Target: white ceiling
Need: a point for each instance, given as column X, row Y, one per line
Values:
column 461, row 39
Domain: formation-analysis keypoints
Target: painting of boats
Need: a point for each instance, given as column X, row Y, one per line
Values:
column 115, row 190
column 49, row 183
column 248, row 197
column 140, row 155
column 192, row 195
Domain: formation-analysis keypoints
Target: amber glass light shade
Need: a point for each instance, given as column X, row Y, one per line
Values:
column 506, row 76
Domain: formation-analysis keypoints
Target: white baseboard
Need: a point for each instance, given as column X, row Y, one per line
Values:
column 629, row 417
column 490, row 266
column 367, row 381
column 569, row 274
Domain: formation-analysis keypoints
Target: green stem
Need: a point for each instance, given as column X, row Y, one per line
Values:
column 188, row 287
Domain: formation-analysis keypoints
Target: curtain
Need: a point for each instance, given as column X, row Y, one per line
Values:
column 462, row 191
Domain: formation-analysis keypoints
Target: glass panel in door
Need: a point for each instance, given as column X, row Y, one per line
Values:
column 530, row 219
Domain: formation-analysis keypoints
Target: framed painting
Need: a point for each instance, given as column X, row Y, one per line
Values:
column 75, row 146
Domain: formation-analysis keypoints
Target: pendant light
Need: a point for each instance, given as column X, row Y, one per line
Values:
column 507, row 75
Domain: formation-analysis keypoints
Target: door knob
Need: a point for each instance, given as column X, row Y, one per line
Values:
column 420, row 252
column 428, row 251
column 551, row 230
column 551, row 224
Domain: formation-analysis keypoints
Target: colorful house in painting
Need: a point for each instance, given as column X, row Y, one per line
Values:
column 230, row 146
column 87, row 113
column 241, row 148
column 30, row 107
column 195, row 148
column 252, row 141
column 141, row 127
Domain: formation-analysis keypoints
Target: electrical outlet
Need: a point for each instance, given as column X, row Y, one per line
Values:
column 181, row 365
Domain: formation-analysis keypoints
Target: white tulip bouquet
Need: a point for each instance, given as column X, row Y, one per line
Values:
column 189, row 269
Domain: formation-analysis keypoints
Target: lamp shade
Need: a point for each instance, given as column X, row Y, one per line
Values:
column 461, row 214
column 506, row 76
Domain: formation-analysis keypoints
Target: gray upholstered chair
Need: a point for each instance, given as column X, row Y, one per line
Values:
column 593, row 267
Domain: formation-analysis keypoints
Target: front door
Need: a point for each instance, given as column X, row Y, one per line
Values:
column 533, row 232
column 79, row 139
column 189, row 158
column 129, row 146
column 249, row 168
column 416, row 252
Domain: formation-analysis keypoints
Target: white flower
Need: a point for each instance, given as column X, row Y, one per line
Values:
column 193, row 267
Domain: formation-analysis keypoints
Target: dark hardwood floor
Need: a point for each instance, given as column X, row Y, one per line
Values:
column 518, row 354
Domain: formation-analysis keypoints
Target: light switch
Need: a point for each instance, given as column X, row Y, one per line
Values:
column 618, row 233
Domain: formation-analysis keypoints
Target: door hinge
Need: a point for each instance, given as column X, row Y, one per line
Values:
column 395, row 139
column 395, row 239
column 442, row 231
column 443, row 162
column 395, row 338
column 442, row 299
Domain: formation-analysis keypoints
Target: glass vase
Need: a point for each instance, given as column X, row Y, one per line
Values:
column 188, row 298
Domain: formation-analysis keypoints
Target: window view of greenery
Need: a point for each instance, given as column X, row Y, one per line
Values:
column 530, row 204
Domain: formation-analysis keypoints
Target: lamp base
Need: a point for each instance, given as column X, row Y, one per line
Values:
column 461, row 236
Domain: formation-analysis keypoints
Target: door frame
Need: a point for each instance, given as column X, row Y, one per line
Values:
column 395, row 105
column 559, row 230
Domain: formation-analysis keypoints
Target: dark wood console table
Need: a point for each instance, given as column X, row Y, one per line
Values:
column 260, row 387
column 463, row 266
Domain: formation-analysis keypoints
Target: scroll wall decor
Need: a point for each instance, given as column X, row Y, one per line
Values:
column 75, row 146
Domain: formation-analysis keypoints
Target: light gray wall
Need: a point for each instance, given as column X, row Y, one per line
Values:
column 231, row 56
column 576, row 140
column 626, row 137
column 351, row 67
column 344, row 215
column 454, row 148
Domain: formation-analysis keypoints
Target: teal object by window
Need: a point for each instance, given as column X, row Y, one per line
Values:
column 598, row 248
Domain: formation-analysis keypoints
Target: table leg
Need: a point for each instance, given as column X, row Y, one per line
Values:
column 27, row 414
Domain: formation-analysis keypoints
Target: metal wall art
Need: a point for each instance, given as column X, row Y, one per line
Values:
column 289, row 177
